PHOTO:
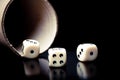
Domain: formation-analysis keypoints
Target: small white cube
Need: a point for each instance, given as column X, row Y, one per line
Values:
column 57, row 57
column 31, row 48
column 87, row 52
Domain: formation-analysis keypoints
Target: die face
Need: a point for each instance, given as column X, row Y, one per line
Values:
column 87, row 52
column 31, row 48
column 30, row 42
column 81, row 53
column 31, row 51
column 92, row 53
column 54, row 50
column 57, row 57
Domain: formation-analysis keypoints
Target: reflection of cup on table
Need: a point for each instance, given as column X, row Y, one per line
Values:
column 44, row 66
column 27, row 19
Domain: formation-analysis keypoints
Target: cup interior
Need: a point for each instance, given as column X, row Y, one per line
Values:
column 30, row 19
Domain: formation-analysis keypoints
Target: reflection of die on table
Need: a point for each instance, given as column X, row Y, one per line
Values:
column 30, row 49
column 87, row 52
column 57, row 57
column 31, row 67
column 36, row 67
column 85, row 70
column 57, row 74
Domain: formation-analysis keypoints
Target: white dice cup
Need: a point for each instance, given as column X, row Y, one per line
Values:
column 40, row 13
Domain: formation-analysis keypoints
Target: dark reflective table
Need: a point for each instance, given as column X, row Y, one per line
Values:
column 19, row 68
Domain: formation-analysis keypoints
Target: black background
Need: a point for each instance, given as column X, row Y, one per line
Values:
column 78, row 22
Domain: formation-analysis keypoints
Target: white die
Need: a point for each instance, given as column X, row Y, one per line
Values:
column 57, row 57
column 87, row 52
column 31, row 48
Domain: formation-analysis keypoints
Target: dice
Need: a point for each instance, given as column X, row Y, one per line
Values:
column 87, row 52
column 57, row 57
column 31, row 48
